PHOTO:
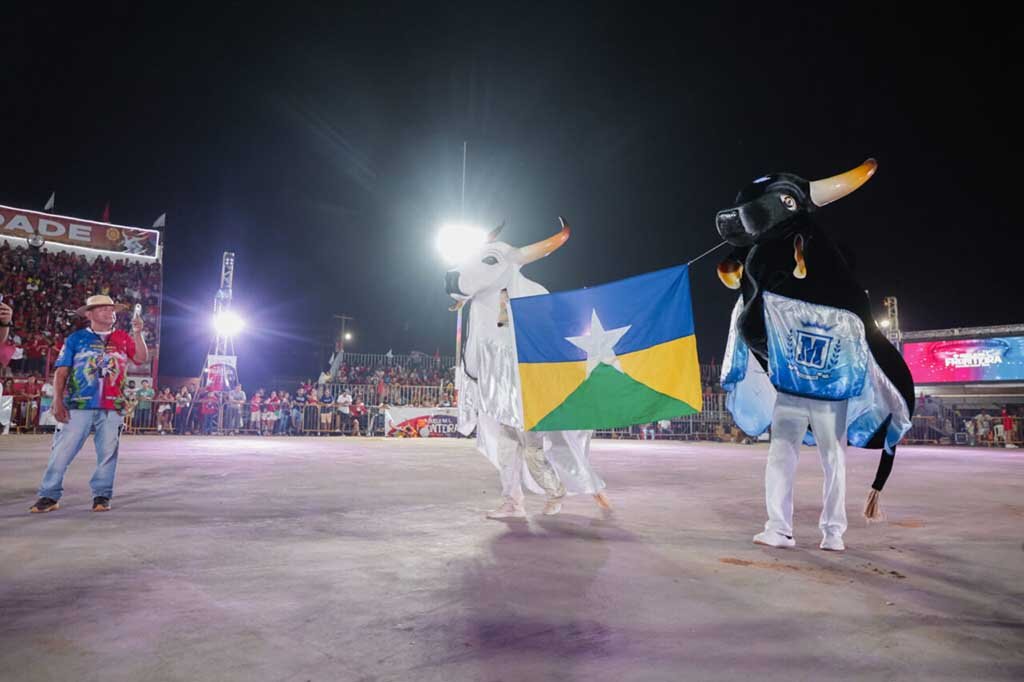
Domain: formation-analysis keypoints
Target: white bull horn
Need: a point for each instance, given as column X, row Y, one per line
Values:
column 492, row 236
column 827, row 190
column 537, row 250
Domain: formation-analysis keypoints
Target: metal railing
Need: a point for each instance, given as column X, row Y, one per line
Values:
column 395, row 394
column 714, row 423
column 25, row 412
column 380, row 360
column 234, row 418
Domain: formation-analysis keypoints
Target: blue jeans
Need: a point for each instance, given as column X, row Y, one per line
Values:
column 69, row 439
column 141, row 420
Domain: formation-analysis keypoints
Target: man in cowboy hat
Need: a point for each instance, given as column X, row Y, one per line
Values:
column 96, row 361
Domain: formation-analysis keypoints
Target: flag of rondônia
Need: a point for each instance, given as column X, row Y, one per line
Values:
column 608, row 356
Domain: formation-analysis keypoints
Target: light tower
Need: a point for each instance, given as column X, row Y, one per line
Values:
column 224, row 343
column 221, row 366
column 339, row 344
column 220, row 371
column 891, row 323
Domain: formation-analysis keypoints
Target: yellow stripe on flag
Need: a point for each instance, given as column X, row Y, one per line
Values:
column 546, row 385
column 671, row 368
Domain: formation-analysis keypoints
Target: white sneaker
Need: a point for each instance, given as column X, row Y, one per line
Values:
column 508, row 510
column 773, row 539
column 553, row 506
column 832, row 543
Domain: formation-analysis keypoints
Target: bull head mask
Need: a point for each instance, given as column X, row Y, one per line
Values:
column 765, row 207
column 493, row 266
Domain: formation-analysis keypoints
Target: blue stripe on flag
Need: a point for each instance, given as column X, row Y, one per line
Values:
column 655, row 304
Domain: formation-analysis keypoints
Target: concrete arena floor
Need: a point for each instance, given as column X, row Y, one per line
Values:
column 370, row 559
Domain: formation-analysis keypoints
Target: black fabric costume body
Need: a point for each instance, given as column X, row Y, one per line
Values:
column 780, row 248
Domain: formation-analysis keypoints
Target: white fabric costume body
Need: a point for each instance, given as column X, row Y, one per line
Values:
column 554, row 462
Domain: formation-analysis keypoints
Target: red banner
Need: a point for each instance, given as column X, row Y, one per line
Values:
column 423, row 422
column 17, row 222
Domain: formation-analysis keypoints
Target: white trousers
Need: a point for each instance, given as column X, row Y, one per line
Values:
column 516, row 448
column 790, row 419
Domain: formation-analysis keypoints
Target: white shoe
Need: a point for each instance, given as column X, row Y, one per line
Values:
column 832, row 543
column 773, row 539
column 553, row 506
column 508, row 510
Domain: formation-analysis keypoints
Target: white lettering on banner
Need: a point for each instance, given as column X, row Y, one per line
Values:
column 446, row 427
column 50, row 228
column 983, row 358
column 82, row 233
column 20, row 222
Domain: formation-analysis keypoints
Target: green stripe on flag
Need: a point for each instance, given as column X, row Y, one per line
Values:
column 611, row 399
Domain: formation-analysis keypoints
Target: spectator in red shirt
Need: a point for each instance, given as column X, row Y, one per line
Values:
column 36, row 352
column 256, row 410
column 358, row 417
column 270, row 407
column 1008, row 434
column 208, row 408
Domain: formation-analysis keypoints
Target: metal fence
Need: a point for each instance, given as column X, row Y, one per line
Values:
column 713, row 423
column 394, row 394
column 166, row 418
column 943, row 425
column 411, row 361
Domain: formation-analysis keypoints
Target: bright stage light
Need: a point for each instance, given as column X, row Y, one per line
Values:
column 456, row 242
column 884, row 324
column 227, row 323
column 348, row 336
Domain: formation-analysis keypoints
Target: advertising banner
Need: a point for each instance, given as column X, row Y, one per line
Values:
column 966, row 360
column 221, row 372
column 18, row 222
column 424, row 422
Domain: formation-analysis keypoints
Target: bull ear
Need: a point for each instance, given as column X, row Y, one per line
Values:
column 827, row 190
column 493, row 234
column 537, row 250
column 800, row 270
column 730, row 272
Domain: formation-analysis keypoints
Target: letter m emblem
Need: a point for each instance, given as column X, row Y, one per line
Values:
column 812, row 349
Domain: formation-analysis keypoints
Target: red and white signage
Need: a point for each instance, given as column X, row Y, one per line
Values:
column 424, row 422
column 18, row 222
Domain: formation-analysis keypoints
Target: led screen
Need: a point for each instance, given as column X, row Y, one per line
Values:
column 966, row 360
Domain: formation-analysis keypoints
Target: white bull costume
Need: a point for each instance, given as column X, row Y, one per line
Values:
column 556, row 463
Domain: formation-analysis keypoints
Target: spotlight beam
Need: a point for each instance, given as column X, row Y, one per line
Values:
column 457, row 241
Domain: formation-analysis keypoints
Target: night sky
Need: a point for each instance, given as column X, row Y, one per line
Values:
column 324, row 147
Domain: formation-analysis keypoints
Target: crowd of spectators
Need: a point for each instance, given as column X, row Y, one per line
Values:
column 936, row 420
column 379, row 380
column 388, row 373
column 45, row 288
column 193, row 410
column 346, row 410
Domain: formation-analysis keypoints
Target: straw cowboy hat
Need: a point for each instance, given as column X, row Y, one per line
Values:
column 97, row 301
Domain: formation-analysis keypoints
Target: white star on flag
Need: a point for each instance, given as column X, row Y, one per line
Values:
column 599, row 344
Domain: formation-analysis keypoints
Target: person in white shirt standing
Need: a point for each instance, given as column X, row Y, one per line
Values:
column 345, row 410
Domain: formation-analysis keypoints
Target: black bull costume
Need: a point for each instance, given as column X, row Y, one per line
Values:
column 803, row 336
